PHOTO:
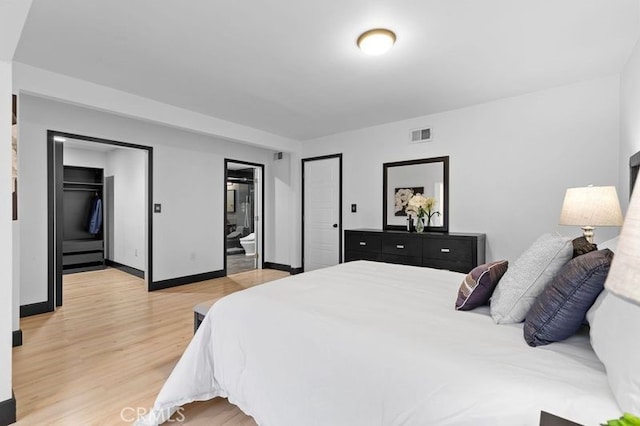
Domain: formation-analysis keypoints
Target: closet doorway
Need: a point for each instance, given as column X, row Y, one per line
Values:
column 99, row 208
column 243, row 216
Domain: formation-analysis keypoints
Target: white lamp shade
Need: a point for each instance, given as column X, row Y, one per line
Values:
column 591, row 206
column 624, row 276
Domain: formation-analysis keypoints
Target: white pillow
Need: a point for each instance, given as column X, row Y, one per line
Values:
column 615, row 337
column 527, row 278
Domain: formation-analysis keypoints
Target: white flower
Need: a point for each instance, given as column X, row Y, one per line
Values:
column 419, row 206
column 402, row 198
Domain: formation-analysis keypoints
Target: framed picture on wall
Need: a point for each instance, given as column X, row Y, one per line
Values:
column 402, row 196
column 231, row 200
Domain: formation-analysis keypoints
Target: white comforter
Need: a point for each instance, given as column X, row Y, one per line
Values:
column 367, row 343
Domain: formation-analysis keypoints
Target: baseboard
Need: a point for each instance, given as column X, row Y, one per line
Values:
column 17, row 338
column 174, row 282
column 35, row 309
column 85, row 268
column 8, row 411
column 277, row 266
column 282, row 267
column 124, row 268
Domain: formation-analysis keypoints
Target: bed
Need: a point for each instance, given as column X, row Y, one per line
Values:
column 367, row 343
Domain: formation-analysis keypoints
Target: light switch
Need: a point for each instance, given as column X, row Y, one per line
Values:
column 157, row 208
column 353, row 208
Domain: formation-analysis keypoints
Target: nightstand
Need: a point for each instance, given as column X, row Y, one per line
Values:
column 547, row 419
column 199, row 312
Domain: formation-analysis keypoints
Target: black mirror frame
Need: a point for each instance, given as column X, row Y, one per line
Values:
column 445, row 212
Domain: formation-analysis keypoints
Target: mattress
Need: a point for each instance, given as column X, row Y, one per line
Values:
column 367, row 343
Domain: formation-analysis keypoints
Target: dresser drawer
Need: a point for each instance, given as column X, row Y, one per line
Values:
column 351, row 255
column 448, row 249
column 401, row 245
column 451, row 265
column 401, row 259
column 362, row 242
column 75, row 259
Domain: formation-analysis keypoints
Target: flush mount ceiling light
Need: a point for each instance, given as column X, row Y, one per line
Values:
column 377, row 41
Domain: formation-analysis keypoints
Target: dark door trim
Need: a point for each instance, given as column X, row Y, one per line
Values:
column 634, row 168
column 54, row 211
column 324, row 157
column 224, row 210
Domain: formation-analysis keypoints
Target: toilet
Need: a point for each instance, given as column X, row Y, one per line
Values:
column 249, row 244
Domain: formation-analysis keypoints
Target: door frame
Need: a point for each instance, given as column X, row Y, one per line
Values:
column 260, row 217
column 55, row 219
column 324, row 157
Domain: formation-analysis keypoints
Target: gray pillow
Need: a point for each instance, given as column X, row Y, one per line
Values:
column 559, row 311
column 528, row 276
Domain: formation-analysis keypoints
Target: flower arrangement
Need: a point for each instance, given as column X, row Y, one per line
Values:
column 626, row 420
column 402, row 197
column 420, row 206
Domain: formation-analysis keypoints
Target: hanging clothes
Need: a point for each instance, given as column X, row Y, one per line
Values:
column 95, row 218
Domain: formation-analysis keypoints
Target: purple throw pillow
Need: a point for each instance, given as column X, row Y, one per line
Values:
column 558, row 313
column 478, row 285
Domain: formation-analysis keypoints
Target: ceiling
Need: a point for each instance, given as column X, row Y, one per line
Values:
column 292, row 68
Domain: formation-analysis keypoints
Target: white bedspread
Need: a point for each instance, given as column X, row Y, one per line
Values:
column 367, row 343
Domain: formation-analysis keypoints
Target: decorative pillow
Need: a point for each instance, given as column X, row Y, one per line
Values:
column 614, row 337
column 582, row 246
column 478, row 285
column 558, row 313
column 527, row 278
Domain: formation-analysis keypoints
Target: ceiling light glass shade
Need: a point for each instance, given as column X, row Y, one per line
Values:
column 624, row 276
column 377, row 41
column 591, row 206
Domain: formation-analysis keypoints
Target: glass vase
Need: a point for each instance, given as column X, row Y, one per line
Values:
column 419, row 225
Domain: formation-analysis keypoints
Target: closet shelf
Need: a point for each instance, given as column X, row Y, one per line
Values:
column 80, row 189
column 68, row 182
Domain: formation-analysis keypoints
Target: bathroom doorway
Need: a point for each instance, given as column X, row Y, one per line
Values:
column 244, row 212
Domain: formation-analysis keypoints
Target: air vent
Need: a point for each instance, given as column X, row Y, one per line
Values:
column 421, row 135
column 277, row 156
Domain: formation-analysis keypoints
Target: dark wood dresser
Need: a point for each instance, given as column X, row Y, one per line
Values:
column 452, row 251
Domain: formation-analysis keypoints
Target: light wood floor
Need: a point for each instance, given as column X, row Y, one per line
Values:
column 111, row 346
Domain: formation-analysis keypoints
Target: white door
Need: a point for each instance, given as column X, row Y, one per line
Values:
column 321, row 214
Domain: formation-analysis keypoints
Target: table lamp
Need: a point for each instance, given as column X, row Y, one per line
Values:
column 591, row 206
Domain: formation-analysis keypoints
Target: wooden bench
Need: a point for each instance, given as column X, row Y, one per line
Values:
column 199, row 312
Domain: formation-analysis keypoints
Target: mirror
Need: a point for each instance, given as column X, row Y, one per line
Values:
column 403, row 179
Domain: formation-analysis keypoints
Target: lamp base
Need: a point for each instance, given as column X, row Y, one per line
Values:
column 587, row 232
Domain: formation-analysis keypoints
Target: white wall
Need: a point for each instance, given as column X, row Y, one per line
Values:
column 284, row 222
column 188, row 181
column 6, row 261
column 83, row 157
column 629, row 120
column 16, row 274
column 129, row 170
column 510, row 161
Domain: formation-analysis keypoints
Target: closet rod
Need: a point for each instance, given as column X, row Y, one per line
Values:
column 80, row 189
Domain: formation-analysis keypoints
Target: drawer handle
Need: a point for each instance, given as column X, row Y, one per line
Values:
column 445, row 250
column 399, row 246
column 362, row 243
